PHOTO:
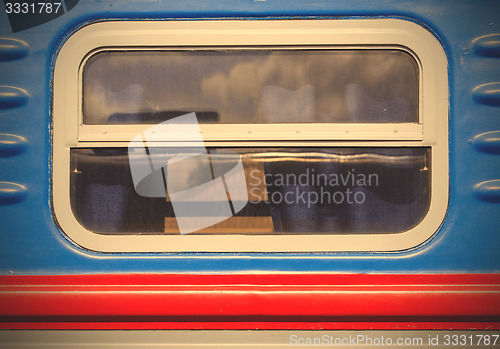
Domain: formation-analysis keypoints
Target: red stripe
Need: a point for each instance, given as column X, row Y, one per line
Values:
column 253, row 279
column 330, row 299
column 245, row 325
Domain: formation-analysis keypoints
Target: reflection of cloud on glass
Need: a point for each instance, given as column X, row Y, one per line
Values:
column 361, row 106
column 385, row 77
column 235, row 83
column 282, row 105
column 102, row 102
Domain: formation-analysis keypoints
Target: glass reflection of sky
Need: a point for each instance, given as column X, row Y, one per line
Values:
column 254, row 86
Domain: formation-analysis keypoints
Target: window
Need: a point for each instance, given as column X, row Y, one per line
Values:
column 289, row 190
column 337, row 128
column 251, row 86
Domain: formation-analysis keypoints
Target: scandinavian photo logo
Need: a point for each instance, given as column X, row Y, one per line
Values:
column 205, row 187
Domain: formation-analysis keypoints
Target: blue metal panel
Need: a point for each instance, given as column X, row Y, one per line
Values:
column 468, row 241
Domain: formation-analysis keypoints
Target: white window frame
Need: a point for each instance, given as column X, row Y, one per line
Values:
column 430, row 131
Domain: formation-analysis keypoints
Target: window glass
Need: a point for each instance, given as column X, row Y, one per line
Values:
column 251, row 86
column 288, row 190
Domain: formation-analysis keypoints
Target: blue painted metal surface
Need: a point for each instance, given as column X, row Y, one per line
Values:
column 488, row 94
column 489, row 191
column 468, row 241
column 11, row 145
column 11, row 193
column 488, row 142
column 11, row 49
column 488, row 45
column 12, row 97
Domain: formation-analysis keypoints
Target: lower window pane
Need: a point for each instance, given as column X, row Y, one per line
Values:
column 250, row 190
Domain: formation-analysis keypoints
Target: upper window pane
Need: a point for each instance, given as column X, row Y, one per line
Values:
column 251, row 86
